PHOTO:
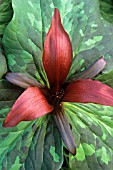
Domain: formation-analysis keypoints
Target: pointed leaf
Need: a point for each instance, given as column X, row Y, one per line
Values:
column 89, row 91
column 65, row 130
column 57, row 55
column 30, row 105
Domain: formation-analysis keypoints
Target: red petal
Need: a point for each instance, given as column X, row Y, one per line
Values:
column 30, row 105
column 89, row 91
column 57, row 55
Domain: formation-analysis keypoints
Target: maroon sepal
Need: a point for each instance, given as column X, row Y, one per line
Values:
column 92, row 71
column 64, row 129
column 30, row 105
column 23, row 81
column 89, row 91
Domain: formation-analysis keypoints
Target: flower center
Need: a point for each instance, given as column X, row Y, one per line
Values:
column 57, row 98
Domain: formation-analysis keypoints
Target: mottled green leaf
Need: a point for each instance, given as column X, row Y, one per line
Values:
column 8, row 94
column 15, row 143
column 46, row 149
column 3, row 65
column 106, row 78
column 91, row 36
column 92, row 127
column 23, row 39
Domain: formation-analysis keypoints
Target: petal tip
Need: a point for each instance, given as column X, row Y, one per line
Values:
column 73, row 152
column 57, row 53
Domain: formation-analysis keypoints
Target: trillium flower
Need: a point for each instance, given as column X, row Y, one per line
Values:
column 38, row 100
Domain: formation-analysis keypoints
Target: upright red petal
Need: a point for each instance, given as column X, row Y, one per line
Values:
column 89, row 91
column 57, row 55
column 30, row 105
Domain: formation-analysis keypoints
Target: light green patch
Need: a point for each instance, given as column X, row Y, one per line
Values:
column 13, row 5
column 3, row 65
column 39, row 25
column 26, row 57
column 54, row 154
column 82, row 12
column 31, row 18
column 16, row 165
column 108, row 56
column 32, row 45
column 78, row 121
column 94, row 25
column 102, row 153
column 5, row 110
column 89, row 149
column 51, row 5
column 30, row 3
column 104, row 136
column 80, row 156
column 11, row 60
column 82, row 61
column 84, row 18
column 81, row 33
column 90, row 43
column 9, row 139
column 93, row 41
column 2, row 150
column 80, row 6
column 81, row 124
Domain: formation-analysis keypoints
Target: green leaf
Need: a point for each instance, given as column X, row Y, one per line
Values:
column 92, row 127
column 15, row 143
column 31, row 145
column 90, row 34
column 5, row 14
column 8, row 94
column 106, row 9
column 106, row 78
column 46, row 148
column 3, row 65
column 23, row 39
